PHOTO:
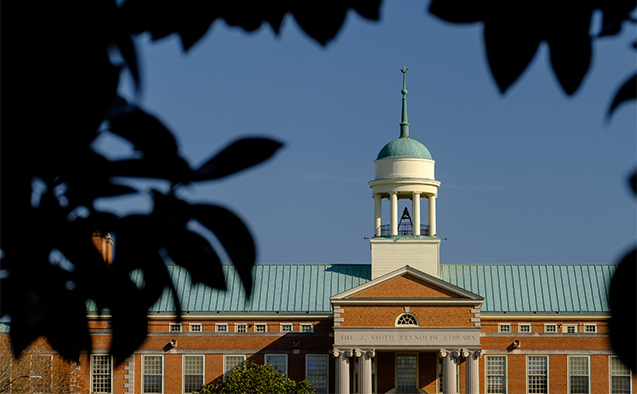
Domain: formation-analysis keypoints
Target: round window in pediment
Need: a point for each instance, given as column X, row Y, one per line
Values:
column 406, row 320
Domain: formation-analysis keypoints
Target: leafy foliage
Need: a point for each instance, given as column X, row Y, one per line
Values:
column 255, row 378
column 65, row 93
column 513, row 31
column 66, row 96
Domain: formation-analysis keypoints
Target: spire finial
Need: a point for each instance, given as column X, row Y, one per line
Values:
column 404, row 126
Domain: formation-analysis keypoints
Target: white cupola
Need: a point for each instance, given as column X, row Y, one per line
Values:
column 404, row 169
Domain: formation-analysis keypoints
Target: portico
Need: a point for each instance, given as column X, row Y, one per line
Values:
column 406, row 331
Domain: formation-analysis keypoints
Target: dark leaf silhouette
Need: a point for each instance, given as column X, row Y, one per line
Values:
column 628, row 91
column 509, row 48
column 513, row 31
column 147, row 134
column 237, row 156
column 194, row 253
column 320, row 20
column 233, row 235
column 457, row 11
column 169, row 167
column 623, row 302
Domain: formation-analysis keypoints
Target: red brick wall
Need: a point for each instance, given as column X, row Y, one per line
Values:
column 385, row 316
column 406, row 286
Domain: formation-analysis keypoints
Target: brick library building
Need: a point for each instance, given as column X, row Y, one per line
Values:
column 403, row 324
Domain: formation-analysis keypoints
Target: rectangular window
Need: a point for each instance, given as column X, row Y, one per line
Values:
column 279, row 363
column 196, row 327
column 307, row 327
column 287, row 327
column 537, row 374
column 496, row 374
column 240, row 327
column 524, row 327
column 175, row 327
column 231, row 362
column 569, row 328
column 550, row 328
column 101, row 373
column 590, row 328
column 260, row 327
column 406, row 373
column 193, row 373
column 504, row 327
column 578, row 373
column 221, row 327
column 316, row 372
column 152, row 374
column 620, row 381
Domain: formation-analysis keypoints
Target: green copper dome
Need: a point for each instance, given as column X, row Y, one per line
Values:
column 404, row 147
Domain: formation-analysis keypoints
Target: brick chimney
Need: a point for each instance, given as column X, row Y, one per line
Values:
column 104, row 244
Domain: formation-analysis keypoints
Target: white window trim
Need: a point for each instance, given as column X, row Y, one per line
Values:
column 311, row 325
column 260, row 324
column 520, row 325
column 200, row 325
column 550, row 324
column 171, row 325
column 566, row 326
column 568, row 372
column 407, row 325
column 91, row 372
column 506, row 371
column 237, row 325
column 265, row 361
column 217, row 325
column 286, row 324
column 231, row 355
column 610, row 375
column 594, row 325
column 163, row 375
column 183, row 369
column 327, row 370
column 501, row 325
column 548, row 371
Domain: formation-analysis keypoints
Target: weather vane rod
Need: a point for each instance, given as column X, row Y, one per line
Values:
column 404, row 125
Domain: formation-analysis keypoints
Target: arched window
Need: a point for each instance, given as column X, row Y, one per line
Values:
column 406, row 319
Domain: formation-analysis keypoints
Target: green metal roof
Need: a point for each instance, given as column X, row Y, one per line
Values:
column 301, row 288
column 541, row 288
column 283, row 288
column 404, row 147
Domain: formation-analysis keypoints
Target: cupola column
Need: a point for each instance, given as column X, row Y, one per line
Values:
column 378, row 214
column 415, row 209
column 432, row 215
column 393, row 213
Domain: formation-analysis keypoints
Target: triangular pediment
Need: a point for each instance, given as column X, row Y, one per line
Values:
column 407, row 283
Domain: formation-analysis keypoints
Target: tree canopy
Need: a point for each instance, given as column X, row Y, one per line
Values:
column 256, row 378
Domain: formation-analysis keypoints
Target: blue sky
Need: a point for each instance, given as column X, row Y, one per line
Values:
column 532, row 176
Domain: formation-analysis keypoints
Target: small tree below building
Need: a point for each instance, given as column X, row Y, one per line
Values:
column 37, row 370
column 255, row 378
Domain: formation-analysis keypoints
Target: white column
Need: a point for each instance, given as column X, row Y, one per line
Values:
column 432, row 215
column 449, row 379
column 393, row 213
column 415, row 210
column 378, row 214
column 342, row 369
column 365, row 370
column 473, row 375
